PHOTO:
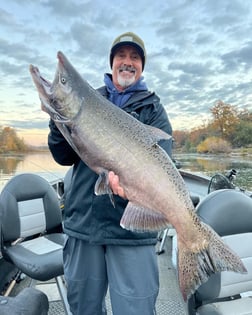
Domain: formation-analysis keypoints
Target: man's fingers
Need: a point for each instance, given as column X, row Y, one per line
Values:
column 115, row 185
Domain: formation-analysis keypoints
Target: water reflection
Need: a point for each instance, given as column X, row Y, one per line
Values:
column 44, row 165
column 9, row 164
column 40, row 163
column 210, row 165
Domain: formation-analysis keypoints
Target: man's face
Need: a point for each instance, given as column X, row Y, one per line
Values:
column 127, row 67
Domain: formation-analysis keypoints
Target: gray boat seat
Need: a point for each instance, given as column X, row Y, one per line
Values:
column 229, row 213
column 195, row 199
column 66, row 188
column 31, row 223
column 29, row 301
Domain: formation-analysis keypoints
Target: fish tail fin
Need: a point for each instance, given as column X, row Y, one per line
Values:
column 196, row 265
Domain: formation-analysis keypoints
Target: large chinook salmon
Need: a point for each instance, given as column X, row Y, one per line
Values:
column 108, row 139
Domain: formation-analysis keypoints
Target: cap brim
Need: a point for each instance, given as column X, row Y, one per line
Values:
column 137, row 47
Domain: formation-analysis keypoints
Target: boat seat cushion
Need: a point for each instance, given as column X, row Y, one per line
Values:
column 228, row 283
column 29, row 206
column 242, row 306
column 229, row 213
column 222, row 210
column 29, row 301
column 34, row 256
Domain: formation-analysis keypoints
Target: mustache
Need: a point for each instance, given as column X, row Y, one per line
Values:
column 127, row 68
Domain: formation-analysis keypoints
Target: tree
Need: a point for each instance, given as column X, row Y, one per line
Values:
column 228, row 123
column 243, row 134
column 9, row 141
column 197, row 135
column 180, row 138
column 225, row 119
column 245, row 115
column 214, row 145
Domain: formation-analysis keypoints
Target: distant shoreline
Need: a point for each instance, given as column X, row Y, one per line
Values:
column 22, row 153
column 234, row 152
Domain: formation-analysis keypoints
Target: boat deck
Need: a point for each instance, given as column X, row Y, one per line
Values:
column 169, row 299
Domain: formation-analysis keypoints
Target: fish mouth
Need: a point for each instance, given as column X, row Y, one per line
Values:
column 41, row 83
column 44, row 88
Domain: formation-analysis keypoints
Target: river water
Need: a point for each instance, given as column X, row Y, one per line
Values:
column 212, row 164
column 40, row 163
column 44, row 165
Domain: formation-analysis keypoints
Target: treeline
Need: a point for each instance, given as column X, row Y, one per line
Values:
column 229, row 128
column 10, row 142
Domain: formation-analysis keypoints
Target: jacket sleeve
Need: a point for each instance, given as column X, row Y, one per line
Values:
column 61, row 150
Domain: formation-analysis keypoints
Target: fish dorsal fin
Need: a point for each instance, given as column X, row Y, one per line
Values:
column 157, row 134
column 141, row 219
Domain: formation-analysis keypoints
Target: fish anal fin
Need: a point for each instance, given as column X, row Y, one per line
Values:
column 195, row 267
column 141, row 219
column 102, row 186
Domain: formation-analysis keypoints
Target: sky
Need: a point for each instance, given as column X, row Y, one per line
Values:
column 198, row 52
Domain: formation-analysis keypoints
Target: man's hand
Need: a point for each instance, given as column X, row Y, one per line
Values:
column 115, row 185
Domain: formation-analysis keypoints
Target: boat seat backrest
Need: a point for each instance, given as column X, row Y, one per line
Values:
column 233, row 283
column 29, row 206
column 229, row 213
column 30, row 210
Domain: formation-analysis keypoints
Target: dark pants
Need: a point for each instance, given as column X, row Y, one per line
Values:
column 131, row 272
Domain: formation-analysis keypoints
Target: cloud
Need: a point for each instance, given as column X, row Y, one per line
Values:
column 24, row 124
column 238, row 59
column 197, row 51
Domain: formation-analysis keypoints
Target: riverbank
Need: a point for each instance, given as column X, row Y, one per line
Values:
column 236, row 151
column 28, row 151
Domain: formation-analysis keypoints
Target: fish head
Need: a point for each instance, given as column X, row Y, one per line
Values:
column 60, row 99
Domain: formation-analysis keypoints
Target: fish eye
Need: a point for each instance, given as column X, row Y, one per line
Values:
column 63, row 80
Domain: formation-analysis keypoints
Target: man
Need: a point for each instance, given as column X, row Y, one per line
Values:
column 98, row 252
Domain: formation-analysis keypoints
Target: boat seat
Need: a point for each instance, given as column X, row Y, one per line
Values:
column 66, row 187
column 31, row 223
column 229, row 213
column 29, row 301
column 195, row 199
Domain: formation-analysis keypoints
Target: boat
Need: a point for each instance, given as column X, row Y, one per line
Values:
column 169, row 300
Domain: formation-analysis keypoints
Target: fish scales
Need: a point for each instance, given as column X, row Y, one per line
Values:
column 119, row 140
column 108, row 139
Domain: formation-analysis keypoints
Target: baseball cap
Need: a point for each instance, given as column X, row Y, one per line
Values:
column 129, row 39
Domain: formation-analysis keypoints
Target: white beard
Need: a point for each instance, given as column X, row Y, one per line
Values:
column 125, row 82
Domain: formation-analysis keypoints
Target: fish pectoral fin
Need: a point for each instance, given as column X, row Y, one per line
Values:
column 141, row 219
column 65, row 130
column 102, row 186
